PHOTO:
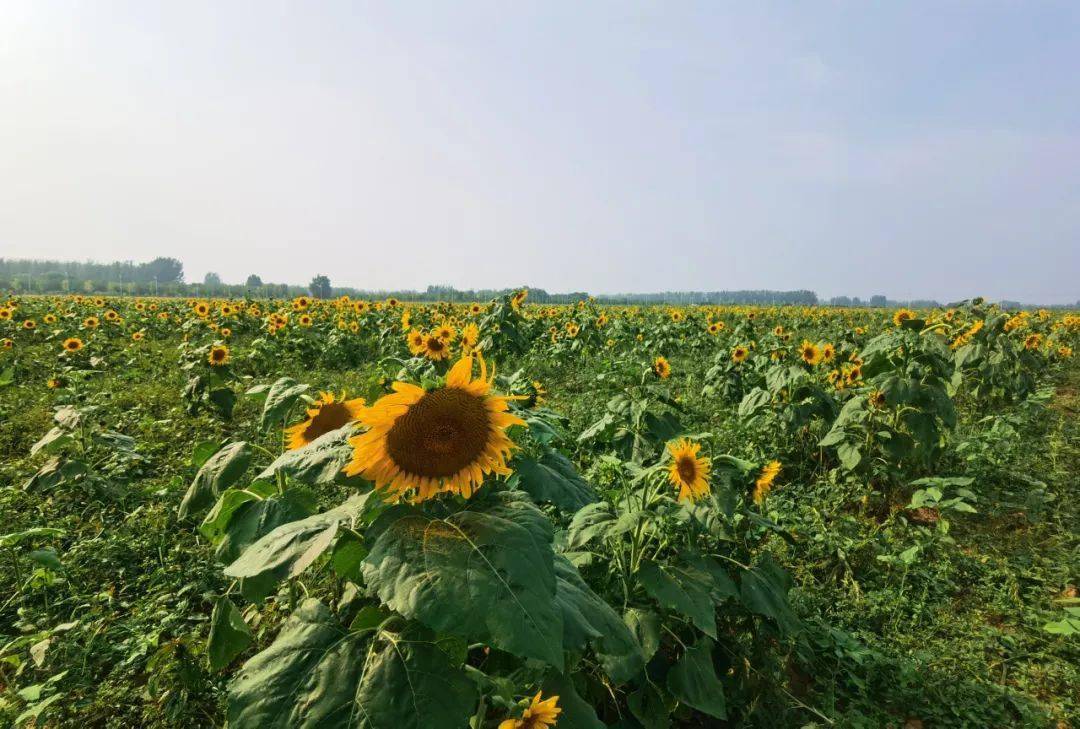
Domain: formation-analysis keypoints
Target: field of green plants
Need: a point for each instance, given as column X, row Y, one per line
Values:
column 340, row 513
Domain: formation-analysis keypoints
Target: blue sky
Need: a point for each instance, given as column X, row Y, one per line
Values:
column 915, row 149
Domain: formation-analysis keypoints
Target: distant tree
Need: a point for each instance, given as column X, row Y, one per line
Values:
column 161, row 271
column 320, row 287
column 253, row 281
column 878, row 301
column 211, row 279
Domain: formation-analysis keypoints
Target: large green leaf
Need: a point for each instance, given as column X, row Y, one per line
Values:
column 317, row 462
column 317, row 675
column 684, row 589
column 764, row 591
column 486, row 574
column 279, row 400
column 576, row 712
column 693, row 681
column 553, row 479
column 290, row 548
column 587, row 618
column 229, row 634
column 219, row 472
column 254, row 519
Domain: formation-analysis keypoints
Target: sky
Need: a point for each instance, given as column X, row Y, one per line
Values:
column 913, row 149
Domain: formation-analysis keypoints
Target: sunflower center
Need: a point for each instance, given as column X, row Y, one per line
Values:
column 445, row 431
column 331, row 416
column 687, row 469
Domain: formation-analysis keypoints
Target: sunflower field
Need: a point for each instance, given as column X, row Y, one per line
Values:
column 332, row 513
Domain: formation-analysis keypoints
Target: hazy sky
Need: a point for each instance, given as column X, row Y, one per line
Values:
column 916, row 149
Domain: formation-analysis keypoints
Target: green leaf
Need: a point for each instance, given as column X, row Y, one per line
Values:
column 52, row 441
column 10, row 540
column 218, row 473
column 290, row 548
column 229, row 634
column 684, row 589
column 764, row 591
column 754, row 401
column 587, row 618
column 592, row 521
column 47, row 557
column 348, row 555
column 849, row 455
column 318, row 462
column 486, row 573
column 645, row 624
column 202, row 452
column 317, row 675
column 554, row 480
column 693, row 681
column 279, row 400
column 7, row 376
column 254, row 519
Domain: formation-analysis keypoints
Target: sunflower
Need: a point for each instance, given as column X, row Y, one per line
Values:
column 688, row 471
column 29, row 324
column 902, row 315
column 361, row 307
column 202, row 309
column 539, row 392
column 739, row 354
column 326, row 414
column 828, row 351
column 219, row 355
column 539, row 715
column 305, row 320
column 300, row 303
column 470, row 335
column 406, row 319
column 5, row 314
column 446, row 332
column 1064, row 352
column 7, row 343
column 392, row 302
column 1033, row 341
column 519, row 298
column 877, row 399
column 475, row 309
column 73, row 344
column 225, row 332
column 809, row 353
column 91, row 322
column 111, row 315
column 415, row 339
column 54, row 383
column 432, row 441
column 436, row 348
column 572, row 329
column 661, row 367
column 765, row 479
column 49, row 318
column 715, row 328
column 137, row 336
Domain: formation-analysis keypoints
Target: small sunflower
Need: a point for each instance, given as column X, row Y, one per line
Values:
column 219, row 355
column 765, row 479
column 416, row 340
column 688, row 471
column 73, row 344
column 29, row 324
column 137, row 336
column 470, row 336
column 1033, row 341
column 91, row 322
column 5, row 314
column 7, row 343
column 739, row 354
column 715, row 328
column 436, row 348
column 49, row 318
column 519, row 298
column 202, row 309
column 661, row 367
column 828, row 351
column 325, row 415
column 475, row 309
column 539, row 715
column 877, row 399
column 305, row 320
column 432, row 441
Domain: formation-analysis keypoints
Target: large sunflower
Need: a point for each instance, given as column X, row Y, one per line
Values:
column 688, row 471
column 327, row 414
column 431, row 441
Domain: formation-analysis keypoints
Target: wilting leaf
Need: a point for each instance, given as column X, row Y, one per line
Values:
column 587, row 618
column 229, row 634
column 220, row 471
column 693, row 681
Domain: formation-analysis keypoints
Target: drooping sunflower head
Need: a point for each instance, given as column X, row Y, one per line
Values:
column 661, row 367
column 688, row 471
column 765, row 479
column 424, row 442
column 810, row 353
column 219, row 355
column 877, row 399
column 519, row 298
column 325, row 415
column 73, row 344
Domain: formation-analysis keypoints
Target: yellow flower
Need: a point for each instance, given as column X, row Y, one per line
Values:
column 519, row 298
column 902, row 315
column 661, row 368
column 443, row 440
column 470, row 335
column 688, row 471
column 416, row 340
column 91, row 322
column 764, row 482
column 809, row 353
column 739, row 354
column 539, row 715
column 219, row 355
column 137, row 336
column 1033, row 341
column 436, row 348
column 73, row 344
column 827, row 352
column 325, row 415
